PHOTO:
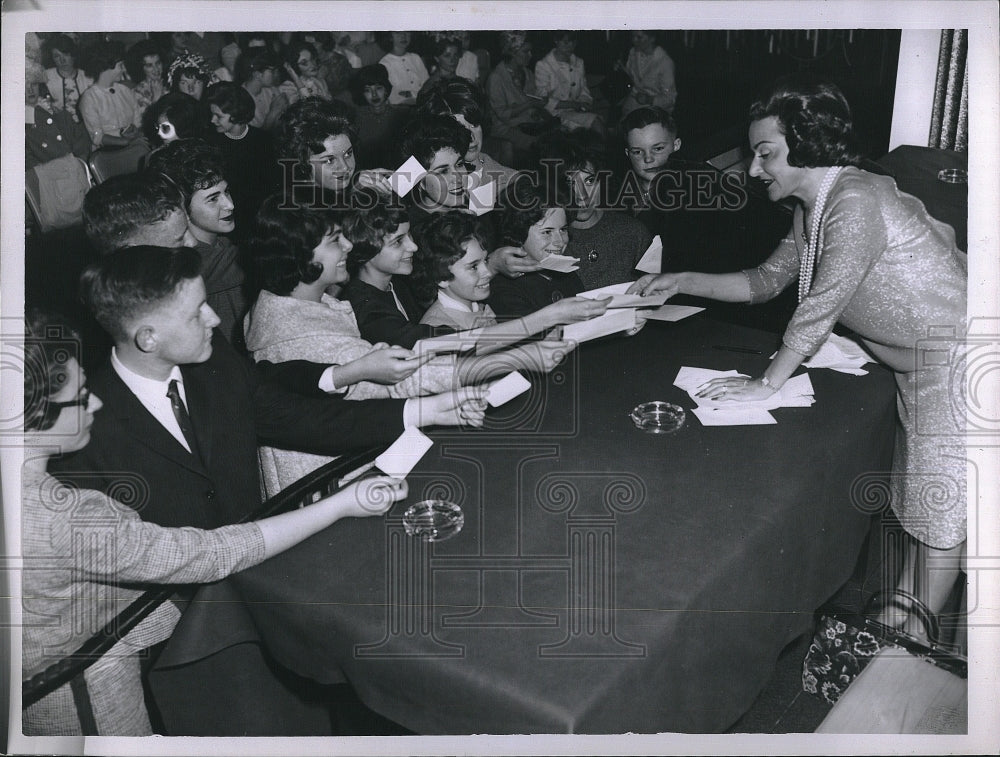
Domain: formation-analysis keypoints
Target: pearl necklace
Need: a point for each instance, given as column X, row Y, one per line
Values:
column 813, row 242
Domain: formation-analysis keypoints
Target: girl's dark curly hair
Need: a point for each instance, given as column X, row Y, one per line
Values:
column 425, row 136
column 454, row 97
column 281, row 246
column 816, row 120
column 524, row 204
column 305, row 125
column 440, row 244
column 232, row 100
column 136, row 55
column 368, row 224
column 100, row 56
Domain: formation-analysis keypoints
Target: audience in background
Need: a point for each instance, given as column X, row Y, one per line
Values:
column 65, row 79
column 257, row 71
column 519, row 114
column 560, row 78
column 175, row 116
column 378, row 120
column 407, row 71
column 190, row 74
column 651, row 74
column 247, row 152
column 110, row 113
column 145, row 69
column 49, row 132
column 303, row 73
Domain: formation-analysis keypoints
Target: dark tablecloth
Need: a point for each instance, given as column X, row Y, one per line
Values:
column 915, row 170
column 606, row 580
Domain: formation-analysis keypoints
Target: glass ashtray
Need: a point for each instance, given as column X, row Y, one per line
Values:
column 953, row 176
column 433, row 520
column 658, row 417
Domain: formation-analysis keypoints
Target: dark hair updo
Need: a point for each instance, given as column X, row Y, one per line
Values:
column 816, row 120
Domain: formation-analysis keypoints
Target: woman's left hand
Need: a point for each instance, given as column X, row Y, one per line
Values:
column 377, row 179
column 736, row 388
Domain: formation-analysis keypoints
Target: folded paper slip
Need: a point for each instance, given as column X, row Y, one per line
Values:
column 507, row 388
column 652, row 259
column 407, row 176
column 619, row 299
column 672, row 312
column 611, row 322
column 404, row 453
column 483, row 198
column 460, row 342
column 559, row 263
column 733, row 416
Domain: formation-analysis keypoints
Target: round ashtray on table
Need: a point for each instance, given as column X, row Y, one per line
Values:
column 658, row 417
column 433, row 519
column 953, row 176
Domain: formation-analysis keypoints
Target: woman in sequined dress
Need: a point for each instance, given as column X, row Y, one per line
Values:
column 885, row 269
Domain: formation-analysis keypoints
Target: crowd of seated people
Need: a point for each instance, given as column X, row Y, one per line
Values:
column 268, row 262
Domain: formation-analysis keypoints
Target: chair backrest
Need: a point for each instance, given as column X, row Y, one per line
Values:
column 54, row 192
column 105, row 163
column 320, row 483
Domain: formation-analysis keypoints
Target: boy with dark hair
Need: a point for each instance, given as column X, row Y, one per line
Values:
column 135, row 209
column 197, row 169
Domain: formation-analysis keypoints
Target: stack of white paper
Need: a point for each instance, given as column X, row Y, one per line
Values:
column 796, row 392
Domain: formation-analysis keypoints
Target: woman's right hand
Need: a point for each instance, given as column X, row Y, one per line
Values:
column 389, row 365
column 372, row 496
column 653, row 283
column 574, row 309
column 511, row 262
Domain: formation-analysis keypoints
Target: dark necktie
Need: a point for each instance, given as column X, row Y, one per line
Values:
column 181, row 414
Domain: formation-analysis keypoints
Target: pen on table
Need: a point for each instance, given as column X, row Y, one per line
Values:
column 745, row 350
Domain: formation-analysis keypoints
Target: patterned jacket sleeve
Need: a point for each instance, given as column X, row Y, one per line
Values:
column 771, row 277
column 131, row 550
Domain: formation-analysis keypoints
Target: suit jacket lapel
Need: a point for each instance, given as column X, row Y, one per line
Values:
column 201, row 411
column 136, row 421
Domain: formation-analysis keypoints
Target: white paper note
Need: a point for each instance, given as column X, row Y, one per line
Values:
column 507, row 388
column 611, row 322
column 672, row 312
column 483, row 198
column 405, row 452
column 439, row 345
column 796, row 392
column 733, row 416
column 559, row 263
column 621, row 300
column 407, row 176
column 652, row 259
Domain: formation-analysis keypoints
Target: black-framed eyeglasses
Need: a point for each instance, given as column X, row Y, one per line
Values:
column 53, row 409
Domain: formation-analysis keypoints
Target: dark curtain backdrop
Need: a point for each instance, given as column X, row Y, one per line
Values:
column 950, row 117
